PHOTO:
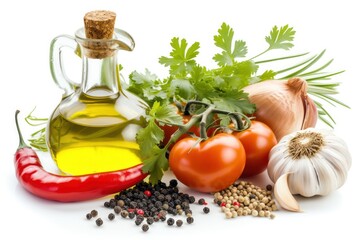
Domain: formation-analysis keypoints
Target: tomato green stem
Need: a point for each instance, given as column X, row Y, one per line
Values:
column 193, row 102
column 204, row 117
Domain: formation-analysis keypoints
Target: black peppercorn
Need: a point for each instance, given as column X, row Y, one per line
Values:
column 106, row 204
column 112, row 204
column 189, row 220
column 191, row 199
column 131, row 215
column 201, row 201
column 145, row 227
column 252, row 196
column 111, row 216
column 206, row 210
column 150, row 220
column 99, row 222
column 94, row 213
column 170, row 221
column 88, row 216
column 138, row 221
column 173, row 182
column 179, row 223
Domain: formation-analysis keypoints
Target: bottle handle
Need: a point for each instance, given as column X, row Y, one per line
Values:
column 57, row 65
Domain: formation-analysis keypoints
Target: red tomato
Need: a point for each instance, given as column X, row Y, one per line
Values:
column 258, row 141
column 208, row 166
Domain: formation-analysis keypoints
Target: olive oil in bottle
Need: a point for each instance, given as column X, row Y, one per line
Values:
column 94, row 127
column 96, row 139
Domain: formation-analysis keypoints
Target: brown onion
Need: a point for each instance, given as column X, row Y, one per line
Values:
column 283, row 105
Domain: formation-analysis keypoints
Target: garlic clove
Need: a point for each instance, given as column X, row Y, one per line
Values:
column 283, row 195
column 310, row 113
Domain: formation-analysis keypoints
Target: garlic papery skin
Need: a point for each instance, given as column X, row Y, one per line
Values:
column 283, row 105
column 318, row 160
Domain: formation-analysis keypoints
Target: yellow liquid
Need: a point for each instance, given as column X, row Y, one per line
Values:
column 94, row 139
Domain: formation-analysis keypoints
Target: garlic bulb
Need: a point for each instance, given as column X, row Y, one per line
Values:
column 283, row 105
column 318, row 161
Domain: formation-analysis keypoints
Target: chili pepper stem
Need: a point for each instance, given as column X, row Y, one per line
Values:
column 22, row 143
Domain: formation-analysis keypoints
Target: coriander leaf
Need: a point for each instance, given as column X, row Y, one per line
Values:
column 223, row 59
column 165, row 113
column 234, row 101
column 139, row 78
column 281, row 39
column 149, row 137
column 182, row 88
column 224, row 40
column 236, row 76
column 267, row 75
column 181, row 60
column 146, row 86
column 240, row 49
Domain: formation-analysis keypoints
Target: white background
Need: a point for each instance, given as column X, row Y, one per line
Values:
column 26, row 29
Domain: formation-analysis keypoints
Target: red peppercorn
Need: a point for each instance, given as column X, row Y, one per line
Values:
column 236, row 204
column 223, row 204
column 147, row 193
column 140, row 212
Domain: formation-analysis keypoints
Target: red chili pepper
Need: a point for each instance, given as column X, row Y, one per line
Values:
column 35, row 179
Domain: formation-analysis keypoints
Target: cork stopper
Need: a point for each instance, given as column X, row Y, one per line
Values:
column 99, row 30
column 99, row 24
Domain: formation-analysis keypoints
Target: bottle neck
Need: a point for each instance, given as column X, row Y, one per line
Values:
column 100, row 77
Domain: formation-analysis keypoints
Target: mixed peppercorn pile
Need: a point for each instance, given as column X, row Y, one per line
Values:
column 147, row 204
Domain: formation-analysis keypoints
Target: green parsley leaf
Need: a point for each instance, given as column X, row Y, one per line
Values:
column 146, row 86
column 267, row 75
column 165, row 113
column 234, row 101
column 224, row 40
column 182, row 59
column 281, row 39
column 182, row 88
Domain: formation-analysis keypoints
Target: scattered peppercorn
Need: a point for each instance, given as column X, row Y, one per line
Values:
column 145, row 227
column 111, row 216
column 179, row 223
column 99, row 222
column 269, row 187
column 189, row 220
column 88, row 216
column 170, row 221
column 206, row 210
column 202, row 201
column 94, row 213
